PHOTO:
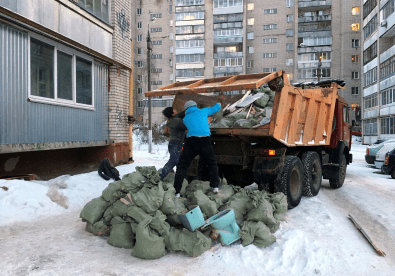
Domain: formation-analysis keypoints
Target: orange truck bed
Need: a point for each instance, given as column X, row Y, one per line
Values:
column 300, row 117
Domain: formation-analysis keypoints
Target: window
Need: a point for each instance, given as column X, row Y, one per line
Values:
column 355, row 58
column 139, row 25
column 154, row 16
column 387, row 67
column 370, row 77
column 316, row 56
column 370, row 127
column 192, row 58
column 139, row 51
column 158, row 56
column 355, row 26
column 355, row 43
column 290, row 3
column 140, row 104
column 171, row 36
column 355, row 75
column 368, row 7
column 370, row 28
column 170, row 8
column 290, row 46
column 388, row 96
column 171, row 23
column 269, row 70
column 228, row 32
column 139, row 78
column 171, row 49
column 228, row 49
column 250, row 35
column 98, row 8
column 387, row 125
column 370, row 53
column 270, row 11
column 355, row 10
column 289, row 32
column 188, row 73
column 388, row 9
column 73, row 84
column 193, row 43
column 138, row 11
column 314, row 73
column 227, row 3
column 156, row 82
column 354, row 90
column 269, row 55
column 250, row 6
column 197, row 29
column 222, row 18
column 250, row 21
column 370, row 101
column 171, row 77
column 139, row 38
column 290, row 17
column 315, row 41
column 228, row 62
column 289, row 62
column 192, row 15
column 156, row 70
column 139, row 90
column 189, row 2
column 156, row 30
column 139, row 64
column 269, row 40
column 250, row 64
column 250, row 50
column 270, row 27
column 156, row 42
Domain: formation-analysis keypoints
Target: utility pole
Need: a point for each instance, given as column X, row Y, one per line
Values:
column 149, row 49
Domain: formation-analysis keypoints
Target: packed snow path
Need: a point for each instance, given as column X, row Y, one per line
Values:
column 316, row 239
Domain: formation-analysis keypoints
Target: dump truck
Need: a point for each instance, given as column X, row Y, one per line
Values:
column 307, row 138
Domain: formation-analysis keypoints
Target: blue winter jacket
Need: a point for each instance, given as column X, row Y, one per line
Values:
column 196, row 120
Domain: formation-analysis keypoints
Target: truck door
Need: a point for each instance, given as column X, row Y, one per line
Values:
column 346, row 133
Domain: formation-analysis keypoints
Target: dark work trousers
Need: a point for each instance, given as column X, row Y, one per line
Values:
column 175, row 152
column 196, row 146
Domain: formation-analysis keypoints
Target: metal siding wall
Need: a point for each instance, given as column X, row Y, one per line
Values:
column 27, row 122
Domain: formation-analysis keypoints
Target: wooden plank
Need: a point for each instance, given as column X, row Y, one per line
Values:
column 286, row 116
column 294, row 120
column 319, row 129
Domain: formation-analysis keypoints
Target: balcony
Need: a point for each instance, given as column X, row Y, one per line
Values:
column 228, row 40
column 236, row 69
column 306, row 19
column 314, row 4
column 228, row 55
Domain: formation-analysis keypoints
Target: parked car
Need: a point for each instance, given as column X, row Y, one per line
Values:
column 380, row 155
column 389, row 163
column 371, row 151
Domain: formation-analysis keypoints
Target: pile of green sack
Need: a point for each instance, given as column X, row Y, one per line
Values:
column 256, row 112
column 140, row 212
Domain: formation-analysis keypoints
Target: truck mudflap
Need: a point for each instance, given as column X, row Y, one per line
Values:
column 268, row 167
column 329, row 170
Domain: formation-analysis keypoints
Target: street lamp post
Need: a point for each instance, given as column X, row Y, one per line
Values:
column 149, row 49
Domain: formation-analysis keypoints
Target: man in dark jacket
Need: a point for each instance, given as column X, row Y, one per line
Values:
column 177, row 132
column 198, row 142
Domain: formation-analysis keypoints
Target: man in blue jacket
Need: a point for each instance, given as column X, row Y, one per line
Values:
column 198, row 142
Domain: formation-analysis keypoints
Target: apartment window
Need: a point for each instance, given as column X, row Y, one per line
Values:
column 269, row 70
column 289, row 62
column 355, row 43
column 156, row 82
column 139, row 90
column 387, row 68
column 156, row 70
column 388, row 9
column 171, row 36
column 171, row 49
column 228, row 32
column 139, row 38
column 197, row 29
column 387, row 125
column 355, row 26
column 290, row 3
column 158, row 56
column 171, row 23
column 192, row 15
column 269, row 55
column 370, row 53
column 189, row 2
column 370, row 27
column 290, row 17
column 155, row 16
column 314, row 73
column 250, row 64
column 228, row 62
column 228, row 49
column 250, row 35
column 370, row 77
column 156, row 30
column 250, row 21
column 170, row 8
column 270, row 27
column 139, row 64
column 250, row 50
column 269, row 40
column 227, row 3
column 156, row 42
column 270, row 11
column 188, row 73
column 388, row 96
column 355, row 75
column 139, row 51
column 98, row 8
column 354, row 90
column 250, row 7
column 316, row 41
column 290, row 46
column 355, row 58
column 191, row 58
column 315, row 57
column 289, row 32
column 193, row 43
column 139, row 25
column 171, row 77
column 140, row 104
column 355, row 10
column 370, row 127
column 139, row 11
column 222, row 18
column 368, row 7
column 139, row 78
column 46, row 62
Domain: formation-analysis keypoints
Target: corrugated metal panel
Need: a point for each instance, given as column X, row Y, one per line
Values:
column 28, row 122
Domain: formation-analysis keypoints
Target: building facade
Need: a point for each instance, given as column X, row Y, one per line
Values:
column 65, row 84
column 378, row 70
column 309, row 40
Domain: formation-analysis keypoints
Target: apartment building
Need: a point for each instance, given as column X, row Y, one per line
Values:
column 378, row 70
column 310, row 40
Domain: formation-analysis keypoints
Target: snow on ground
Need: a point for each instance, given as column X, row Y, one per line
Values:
column 316, row 239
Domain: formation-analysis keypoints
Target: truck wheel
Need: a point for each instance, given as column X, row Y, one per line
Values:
column 338, row 181
column 291, row 181
column 312, row 172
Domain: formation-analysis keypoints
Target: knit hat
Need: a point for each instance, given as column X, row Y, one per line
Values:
column 168, row 112
column 189, row 104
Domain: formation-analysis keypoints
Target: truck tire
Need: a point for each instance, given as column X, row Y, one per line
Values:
column 312, row 173
column 291, row 181
column 338, row 180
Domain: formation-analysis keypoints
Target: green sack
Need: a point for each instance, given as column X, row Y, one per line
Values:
column 137, row 213
column 241, row 203
column 121, row 234
column 108, row 215
column 256, row 233
column 180, row 209
column 264, row 212
column 208, row 207
column 134, row 225
column 270, row 104
column 149, row 245
column 159, row 223
column 93, row 211
column 149, row 199
column 245, row 123
column 168, row 206
column 193, row 243
column 150, row 173
column 113, row 192
column 196, row 185
column 262, row 101
column 279, row 204
column 119, row 209
column 169, row 177
column 98, row 229
column 133, row 182
column 225, row 192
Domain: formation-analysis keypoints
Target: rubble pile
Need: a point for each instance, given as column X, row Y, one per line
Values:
column 252, row 110
column 140, row 212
